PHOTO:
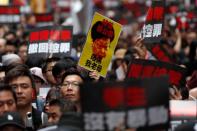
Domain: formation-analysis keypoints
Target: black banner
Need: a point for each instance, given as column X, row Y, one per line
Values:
column 159, row 52
column 150, row 68
column 47, row 41
column 136, row 103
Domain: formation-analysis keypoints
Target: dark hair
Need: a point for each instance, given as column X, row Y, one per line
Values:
column 12, row 43
column 78, row 40
column 22, row 43
column 65, row 105
column 102, row 29
column 17, row 71
column 10, row 33
column 129, row 55
column 54, row 93
column 11, row 66
column 63, row 65
column 46, row 62
column 34, row 60
column 73, row 71
column 2, row 68
column 184, row 93
column 5, row 87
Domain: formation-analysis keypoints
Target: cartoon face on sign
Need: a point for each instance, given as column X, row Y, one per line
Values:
column 102, row 34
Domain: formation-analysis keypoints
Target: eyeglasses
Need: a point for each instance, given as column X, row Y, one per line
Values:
column 68, row 84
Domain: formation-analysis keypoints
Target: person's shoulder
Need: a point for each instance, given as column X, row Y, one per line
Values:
column 37, row 118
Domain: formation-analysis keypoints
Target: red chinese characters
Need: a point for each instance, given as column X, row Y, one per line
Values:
column 155, row 14
column 148, row 71
column 54, row 35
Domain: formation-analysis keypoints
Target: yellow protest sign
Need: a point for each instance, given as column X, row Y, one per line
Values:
column 100, row 44
column 4, row 2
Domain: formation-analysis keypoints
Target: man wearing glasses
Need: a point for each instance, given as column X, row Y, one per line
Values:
column 70, row 86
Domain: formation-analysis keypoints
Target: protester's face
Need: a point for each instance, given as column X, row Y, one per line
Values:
column 22, row 52
column 100, row 47
column 22, row 85
column 49, row 75
column 54, row 114
column 10, row 49
column 46, row 107
column 7, row 102
column 70, row 87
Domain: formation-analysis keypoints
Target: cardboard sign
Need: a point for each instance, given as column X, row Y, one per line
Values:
column 159, row 52
column 9, row 14
column 134, row 103
column 44, row 19
column 153, row 27
column 150, row 68
column 47, row 41
column 100, row 44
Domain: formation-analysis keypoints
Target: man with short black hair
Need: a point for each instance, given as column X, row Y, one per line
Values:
column 21, row 81
column 69, row 89
column 61, row 66
column 57, row 107
column 10, row 47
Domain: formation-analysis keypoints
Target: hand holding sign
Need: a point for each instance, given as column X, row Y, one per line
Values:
column 94, row 75
column 140, row 48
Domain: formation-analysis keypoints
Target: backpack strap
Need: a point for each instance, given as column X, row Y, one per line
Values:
column 37, row 120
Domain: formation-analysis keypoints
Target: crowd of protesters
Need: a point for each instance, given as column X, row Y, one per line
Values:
column 21, row 78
